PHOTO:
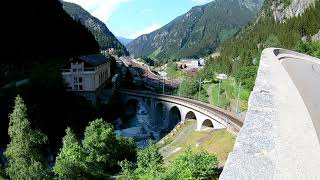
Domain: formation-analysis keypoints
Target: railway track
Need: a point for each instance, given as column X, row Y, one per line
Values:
column 229, row 117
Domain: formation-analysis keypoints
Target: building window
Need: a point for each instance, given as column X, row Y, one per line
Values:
column 75, row 87
column 74, row 70
column 80, row 87
column 77, row 79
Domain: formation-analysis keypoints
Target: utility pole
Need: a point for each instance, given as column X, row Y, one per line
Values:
column 219, row 92
column 164, row 81
column 238, row 101
column 199, row 89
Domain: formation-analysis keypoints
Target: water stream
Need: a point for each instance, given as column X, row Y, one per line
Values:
column 139, row 128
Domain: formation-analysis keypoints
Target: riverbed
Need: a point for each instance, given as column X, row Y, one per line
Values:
column 139, row 128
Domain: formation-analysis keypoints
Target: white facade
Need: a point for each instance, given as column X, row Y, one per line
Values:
column 79, row 78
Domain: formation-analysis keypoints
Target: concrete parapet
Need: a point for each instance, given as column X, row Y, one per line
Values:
column 278, row 139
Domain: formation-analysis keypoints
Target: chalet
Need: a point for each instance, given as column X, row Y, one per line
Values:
column 87, row 75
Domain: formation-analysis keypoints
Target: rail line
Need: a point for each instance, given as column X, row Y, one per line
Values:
column 228, row 117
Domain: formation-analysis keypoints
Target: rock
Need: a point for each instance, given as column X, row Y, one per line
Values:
column 281, row 11
column 316, row 37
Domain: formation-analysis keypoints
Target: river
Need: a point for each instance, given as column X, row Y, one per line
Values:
column 139, row 128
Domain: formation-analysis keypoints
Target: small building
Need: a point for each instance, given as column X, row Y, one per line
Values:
column 87, row 75
column 191, row 63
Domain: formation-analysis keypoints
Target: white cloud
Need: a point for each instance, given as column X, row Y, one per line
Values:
column 201, row 1
column 102, row 9
column 147, row 30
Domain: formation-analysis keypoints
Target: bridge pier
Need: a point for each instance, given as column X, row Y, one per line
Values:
column 165, row 112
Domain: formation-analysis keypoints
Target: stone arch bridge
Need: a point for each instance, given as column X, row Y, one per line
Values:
column 167, row 111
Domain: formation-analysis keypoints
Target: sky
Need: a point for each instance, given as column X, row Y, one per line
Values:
column 132, row 18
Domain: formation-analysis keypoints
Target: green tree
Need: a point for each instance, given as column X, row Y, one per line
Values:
column 189, row 87
column 247, row 75
column 149, row 165
column 171, row 69
column 193, row 165
column 311, row 48
column 127, row 172
column 70, row 160
column 24, row 151
column 126, row 149
column 2, row 172
column 149, row 162
column 100, row 144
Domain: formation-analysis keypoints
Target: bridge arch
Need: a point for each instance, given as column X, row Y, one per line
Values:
column 135, row 107
column 160, row 115
column 208, row 123
column 137, row 101
column 174, row 117
column 131, row 106
column 190, row 115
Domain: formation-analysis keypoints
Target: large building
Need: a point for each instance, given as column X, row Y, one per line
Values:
column 87, row 75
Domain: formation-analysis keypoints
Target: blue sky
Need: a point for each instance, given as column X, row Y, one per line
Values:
column 131, row 18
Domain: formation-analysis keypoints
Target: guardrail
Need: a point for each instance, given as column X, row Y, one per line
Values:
column 228, row 117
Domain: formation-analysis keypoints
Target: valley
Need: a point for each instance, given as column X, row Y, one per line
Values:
column 225, row 90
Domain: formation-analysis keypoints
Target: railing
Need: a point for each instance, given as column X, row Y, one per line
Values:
column 204, row 108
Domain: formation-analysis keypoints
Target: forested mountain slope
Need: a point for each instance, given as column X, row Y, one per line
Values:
column 198, row 32
column 104, row 37
column 275, row 26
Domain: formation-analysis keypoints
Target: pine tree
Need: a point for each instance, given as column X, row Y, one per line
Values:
column 23, row 153
column 69, row 162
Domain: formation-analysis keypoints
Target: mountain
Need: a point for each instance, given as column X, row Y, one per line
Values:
column 40, row 30
column 198, row 32
column 123, row 40
column 104, row 37
column 290, row 24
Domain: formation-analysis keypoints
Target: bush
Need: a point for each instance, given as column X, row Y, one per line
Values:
column 193, row 165
column 311, row 48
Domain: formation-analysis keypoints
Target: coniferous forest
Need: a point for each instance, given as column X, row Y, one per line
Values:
column 47, row 132
column 240, row 55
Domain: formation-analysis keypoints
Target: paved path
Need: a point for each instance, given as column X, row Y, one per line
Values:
column 306, row 77
column 279, row 138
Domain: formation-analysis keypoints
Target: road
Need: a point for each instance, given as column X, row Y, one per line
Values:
column 306, row 76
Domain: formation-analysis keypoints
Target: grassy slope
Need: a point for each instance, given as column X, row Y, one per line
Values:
column 219, row 142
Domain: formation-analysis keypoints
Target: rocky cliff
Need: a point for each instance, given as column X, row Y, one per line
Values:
column 283, row 10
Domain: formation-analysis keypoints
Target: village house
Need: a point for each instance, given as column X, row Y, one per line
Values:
column 190, row 63
column 87, row 75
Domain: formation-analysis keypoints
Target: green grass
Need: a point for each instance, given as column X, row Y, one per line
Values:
column 155, row 53
column 228, row 94
column 219, row 142
column 170, row 137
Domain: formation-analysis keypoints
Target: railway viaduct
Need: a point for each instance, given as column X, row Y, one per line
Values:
column 166, row 111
